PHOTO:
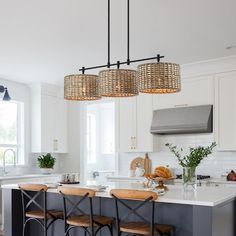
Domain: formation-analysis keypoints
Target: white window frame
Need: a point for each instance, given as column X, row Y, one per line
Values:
column 20, row 146
column 82, row 111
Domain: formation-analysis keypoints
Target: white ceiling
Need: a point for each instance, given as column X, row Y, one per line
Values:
column 47, row 39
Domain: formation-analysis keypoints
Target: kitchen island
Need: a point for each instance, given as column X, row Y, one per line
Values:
column 207, row 212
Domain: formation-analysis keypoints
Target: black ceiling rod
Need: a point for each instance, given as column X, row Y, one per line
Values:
column 118, row 64
column 121, row 63
column 128, row 32
column 83, row 69
column 128, row 61
column 108, row 34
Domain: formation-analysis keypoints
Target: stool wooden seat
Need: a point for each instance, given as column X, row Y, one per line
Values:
column 74, row 216
column 84, row 220
column 40, row 214
column 30, row 194
column 144, row 227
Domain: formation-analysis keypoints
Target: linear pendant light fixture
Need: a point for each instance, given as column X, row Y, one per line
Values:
column 155, row 78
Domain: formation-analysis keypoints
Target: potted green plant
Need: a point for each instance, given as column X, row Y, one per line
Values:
column 46, row 163
column 190, row 162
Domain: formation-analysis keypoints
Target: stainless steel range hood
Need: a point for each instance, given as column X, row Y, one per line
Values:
column 183, row 120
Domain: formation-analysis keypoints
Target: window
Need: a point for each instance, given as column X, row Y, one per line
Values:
column 99, row 123
column 11, row 133
column 91, row 137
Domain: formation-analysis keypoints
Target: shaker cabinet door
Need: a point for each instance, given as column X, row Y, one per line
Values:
column 194, row 92
column 225, row 111
column 144, row 119
column 127, row 123
column 135, row 117
column 60, row 127
column 49, row 119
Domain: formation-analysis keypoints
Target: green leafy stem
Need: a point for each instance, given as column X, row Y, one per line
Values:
column 46, row 161
column 195, row 156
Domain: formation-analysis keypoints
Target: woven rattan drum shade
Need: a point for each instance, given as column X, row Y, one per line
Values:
column 159, row 78
column 118, row 83
column 81, row 87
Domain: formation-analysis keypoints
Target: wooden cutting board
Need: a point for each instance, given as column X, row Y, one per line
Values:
column 144, row 163
column 137, row 161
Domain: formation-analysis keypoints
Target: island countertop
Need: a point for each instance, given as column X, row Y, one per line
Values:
column 203, row 196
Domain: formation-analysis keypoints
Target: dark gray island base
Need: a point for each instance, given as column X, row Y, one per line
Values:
column 190, row 220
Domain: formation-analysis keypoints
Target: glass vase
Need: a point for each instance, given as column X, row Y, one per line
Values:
column 189, row 178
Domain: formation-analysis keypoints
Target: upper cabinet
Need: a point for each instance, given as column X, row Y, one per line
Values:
column 127, row 124
column 135, row 116
column 49, row 119
column 225, row 111
column 195, row 91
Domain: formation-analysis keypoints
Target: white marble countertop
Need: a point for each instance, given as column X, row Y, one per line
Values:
column 122, row 177
column 203, row 196
column 220, row 180
column 26, row 176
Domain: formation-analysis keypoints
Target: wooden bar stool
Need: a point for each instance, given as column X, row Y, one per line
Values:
column 74, row 216
column 30, row 194
column 146, row 200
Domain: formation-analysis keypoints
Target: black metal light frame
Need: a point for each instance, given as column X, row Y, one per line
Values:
column 6, row 96
column 118, row 63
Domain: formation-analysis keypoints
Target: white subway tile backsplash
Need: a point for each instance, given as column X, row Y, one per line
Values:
column 215, row 165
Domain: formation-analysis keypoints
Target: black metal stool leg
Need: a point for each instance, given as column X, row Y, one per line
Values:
column 45, row 227
column 92, row 231
column 111, row 230
column 67, row 231
column 45, row 231
column 23, row 233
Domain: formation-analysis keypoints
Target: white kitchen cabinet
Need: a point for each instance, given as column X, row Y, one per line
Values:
column 145, row 141
column 195, row 91
column 135, row 116
column 49, row 119
column 225, row 111
column 127, row 124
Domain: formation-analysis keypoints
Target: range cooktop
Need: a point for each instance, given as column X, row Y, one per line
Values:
column 199, row 177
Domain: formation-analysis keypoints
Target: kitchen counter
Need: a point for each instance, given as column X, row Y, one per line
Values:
column 26, row 176
column 122, row 177
column 204, row 196
column 209, row 211
column 209, row 181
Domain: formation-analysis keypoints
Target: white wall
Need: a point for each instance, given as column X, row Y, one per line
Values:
column 215, row 165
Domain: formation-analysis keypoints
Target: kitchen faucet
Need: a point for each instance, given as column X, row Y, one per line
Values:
column 95, row 174
column 4, row 159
